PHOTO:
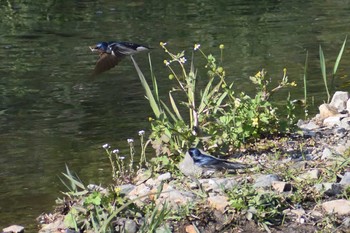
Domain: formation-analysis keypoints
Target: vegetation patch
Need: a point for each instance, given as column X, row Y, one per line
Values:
column 287, row 188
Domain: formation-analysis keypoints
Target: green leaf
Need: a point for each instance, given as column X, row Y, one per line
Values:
column 339, row 57
column 94, row 198
column 166, row 108
column 149, row 93
column 323, row 70
column 173, row 104
column 69, row 219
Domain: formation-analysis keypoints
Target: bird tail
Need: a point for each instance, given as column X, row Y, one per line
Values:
column 234, row 165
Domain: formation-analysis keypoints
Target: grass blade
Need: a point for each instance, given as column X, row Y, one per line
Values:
column 154, row 80
column 323, row 70
column 168, row 111
column 339, row 57
column 173, row 104
column 305, row 76
column 149, row 93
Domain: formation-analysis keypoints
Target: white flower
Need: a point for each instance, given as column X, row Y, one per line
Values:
column 106, row 146
column 141, row 132
column 130, row 140
column 115, row 151
column 121, row 157
column 196, row 47
column 182, row 60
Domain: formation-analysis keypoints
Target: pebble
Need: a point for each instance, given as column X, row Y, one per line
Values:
column 265, row 181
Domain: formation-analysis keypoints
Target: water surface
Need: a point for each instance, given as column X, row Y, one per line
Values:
column 52, row 113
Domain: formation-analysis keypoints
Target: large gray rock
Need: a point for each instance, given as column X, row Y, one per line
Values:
column 339, row 100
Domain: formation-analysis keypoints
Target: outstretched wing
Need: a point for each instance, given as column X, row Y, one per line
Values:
column 126, row 48
column 106, row 62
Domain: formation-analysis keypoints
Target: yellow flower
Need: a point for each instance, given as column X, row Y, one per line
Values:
column 117, row 190
column 293, row 84
column 258, row 75
column 255, row 122
column 222, row 46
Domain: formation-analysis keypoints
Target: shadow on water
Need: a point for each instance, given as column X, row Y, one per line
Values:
column 52, row 113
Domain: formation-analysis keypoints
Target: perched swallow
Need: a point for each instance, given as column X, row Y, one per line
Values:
column 209, row 161
column 111, row 53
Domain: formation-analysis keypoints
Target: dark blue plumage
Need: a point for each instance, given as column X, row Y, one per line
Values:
column 209, row 161
column 111, row 53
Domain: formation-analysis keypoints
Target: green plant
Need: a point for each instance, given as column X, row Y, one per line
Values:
column 335, row 68
column 95, row 209
column 74, row 184
column 213, row 116
column 155, row 217
column 263, row 207
column 121, row 172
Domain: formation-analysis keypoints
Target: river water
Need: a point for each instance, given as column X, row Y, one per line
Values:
column 53, row 113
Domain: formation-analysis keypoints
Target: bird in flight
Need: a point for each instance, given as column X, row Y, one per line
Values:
column 111, row 53
column 209, row 161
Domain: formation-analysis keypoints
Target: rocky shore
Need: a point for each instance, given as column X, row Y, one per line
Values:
column 312, row 164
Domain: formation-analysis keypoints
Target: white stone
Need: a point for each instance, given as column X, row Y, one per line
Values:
column 346, row 179
column 264, row 181
column 341, row 207
column 339, row 100
column 165, row 176
column 309, row 126
column 310, row 175
column 13, row 229
column 217, row 184
column 332, row 121
column 345, row 123
column 326, row 154
column 348, row 105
